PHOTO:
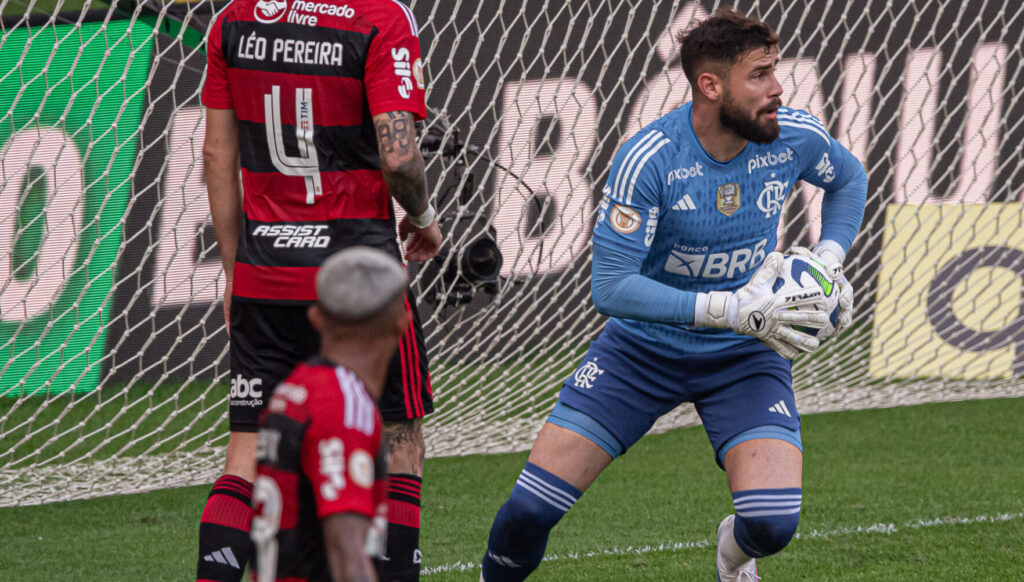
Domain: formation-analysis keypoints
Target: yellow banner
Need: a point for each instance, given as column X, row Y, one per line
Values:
column 948, row 302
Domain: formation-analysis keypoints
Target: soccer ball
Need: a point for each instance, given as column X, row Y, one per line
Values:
column 800, row 272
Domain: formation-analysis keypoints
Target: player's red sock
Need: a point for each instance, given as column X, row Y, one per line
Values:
column 403, row 564
column 224, row 544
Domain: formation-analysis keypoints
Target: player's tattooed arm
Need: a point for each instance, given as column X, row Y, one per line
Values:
column 401, row 160
column 405, row 446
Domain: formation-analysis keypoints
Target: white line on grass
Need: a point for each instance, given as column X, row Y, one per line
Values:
column 882, row 528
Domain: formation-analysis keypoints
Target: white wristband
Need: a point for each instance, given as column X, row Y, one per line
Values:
column 830, row 250
column 424, row 220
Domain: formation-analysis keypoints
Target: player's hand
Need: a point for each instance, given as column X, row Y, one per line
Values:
column 420, row 244
column 834, row 267
column 757, row 311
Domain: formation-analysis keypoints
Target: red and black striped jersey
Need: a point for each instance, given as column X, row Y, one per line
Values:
column 319, row 454
column 305, row 78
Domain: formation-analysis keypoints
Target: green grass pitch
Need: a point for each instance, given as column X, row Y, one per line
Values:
column 933, row 492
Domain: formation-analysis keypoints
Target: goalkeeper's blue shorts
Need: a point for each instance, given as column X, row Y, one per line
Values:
column 622, row 387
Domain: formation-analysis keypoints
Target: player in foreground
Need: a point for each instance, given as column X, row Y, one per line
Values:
column 682, row 264
column 321, row 474
column 324, row 140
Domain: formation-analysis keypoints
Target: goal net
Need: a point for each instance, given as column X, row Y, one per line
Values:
column 115, row 374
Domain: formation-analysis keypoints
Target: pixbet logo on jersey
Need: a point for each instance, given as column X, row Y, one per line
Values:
column 684, row 173
column 769, row 159
column 295, row 236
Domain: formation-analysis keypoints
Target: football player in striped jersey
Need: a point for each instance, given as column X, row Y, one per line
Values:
column 320, row 490
column 316, row 101
column 683, row 264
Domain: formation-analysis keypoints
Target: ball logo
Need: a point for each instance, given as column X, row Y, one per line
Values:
column 270, row 11
column 625, row 219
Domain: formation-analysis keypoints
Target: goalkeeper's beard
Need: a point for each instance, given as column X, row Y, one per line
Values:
column 736, row 120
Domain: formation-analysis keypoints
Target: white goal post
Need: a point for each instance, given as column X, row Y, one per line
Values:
column 114, row 372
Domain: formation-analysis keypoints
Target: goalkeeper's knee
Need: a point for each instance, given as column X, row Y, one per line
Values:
column 766, row 519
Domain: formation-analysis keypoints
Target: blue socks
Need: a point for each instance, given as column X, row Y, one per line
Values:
column 520, row 531
column 766, row 519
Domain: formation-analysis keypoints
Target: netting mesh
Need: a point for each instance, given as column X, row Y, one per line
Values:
column 115, row 369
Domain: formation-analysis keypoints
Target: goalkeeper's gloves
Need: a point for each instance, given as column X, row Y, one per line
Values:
column 757, row 311
column 830, row 255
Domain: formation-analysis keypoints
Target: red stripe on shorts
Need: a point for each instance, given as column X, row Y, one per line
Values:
column 414, row 361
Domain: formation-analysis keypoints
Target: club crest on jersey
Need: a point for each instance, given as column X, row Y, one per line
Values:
column 770, row 199
column 624, row 219
column 728, row 198
column 270, row 11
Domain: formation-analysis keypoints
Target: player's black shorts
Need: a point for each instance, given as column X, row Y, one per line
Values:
column 268, row 341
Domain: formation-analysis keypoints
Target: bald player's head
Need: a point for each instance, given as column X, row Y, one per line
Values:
column 360, row 290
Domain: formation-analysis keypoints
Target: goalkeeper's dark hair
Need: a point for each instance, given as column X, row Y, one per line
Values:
column 719, row 42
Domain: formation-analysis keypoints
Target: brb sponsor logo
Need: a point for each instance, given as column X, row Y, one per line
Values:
column 270, row 11
column 698, row 263
column 769, row 159
column 684, row 173
column 294, row 236
column 246, row 391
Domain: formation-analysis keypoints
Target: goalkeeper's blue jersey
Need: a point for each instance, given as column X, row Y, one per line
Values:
column 702, row 225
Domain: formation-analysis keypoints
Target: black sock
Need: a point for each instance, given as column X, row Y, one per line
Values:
column 403, row 564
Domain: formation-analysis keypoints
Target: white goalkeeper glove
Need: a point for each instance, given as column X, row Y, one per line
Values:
column 830, row 255
column 757, row 311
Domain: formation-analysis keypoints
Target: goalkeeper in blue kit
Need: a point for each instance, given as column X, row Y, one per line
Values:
column 683, row 265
